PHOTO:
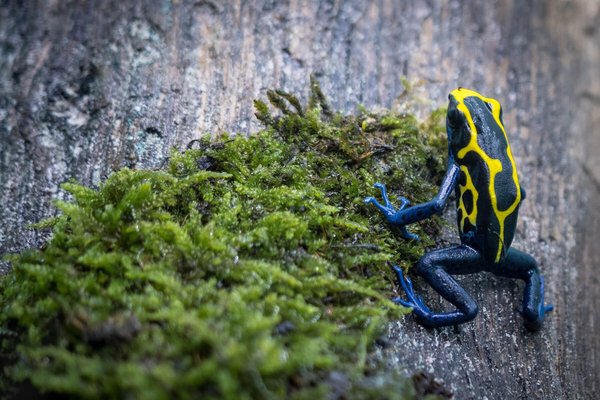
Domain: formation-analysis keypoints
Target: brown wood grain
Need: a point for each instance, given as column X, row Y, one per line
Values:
column 87, row 87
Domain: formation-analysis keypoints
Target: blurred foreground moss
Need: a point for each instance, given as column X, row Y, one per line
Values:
column 248, row 268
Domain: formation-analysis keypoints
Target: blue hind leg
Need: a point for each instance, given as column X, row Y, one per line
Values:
column 435, row 267
column 520, row 265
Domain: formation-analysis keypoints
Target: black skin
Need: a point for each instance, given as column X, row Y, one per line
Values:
column 479, row 248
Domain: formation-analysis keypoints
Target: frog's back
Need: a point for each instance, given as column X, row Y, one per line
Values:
column 488, row 193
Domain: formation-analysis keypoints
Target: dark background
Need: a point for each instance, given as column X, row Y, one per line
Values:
column 87, row 87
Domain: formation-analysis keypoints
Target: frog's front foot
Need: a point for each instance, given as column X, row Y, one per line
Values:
column 535, row 320
column 421, row 311
column 389, row 211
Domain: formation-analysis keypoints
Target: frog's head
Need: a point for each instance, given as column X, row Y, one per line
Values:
column 470, row 113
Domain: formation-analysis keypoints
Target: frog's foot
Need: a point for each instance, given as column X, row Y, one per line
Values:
column 388, row 209
column 415, row 302
column 535, row 320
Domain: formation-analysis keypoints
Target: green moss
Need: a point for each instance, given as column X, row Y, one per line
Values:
column 248, row 268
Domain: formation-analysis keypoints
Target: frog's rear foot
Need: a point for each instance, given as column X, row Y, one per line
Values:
column 534, row 318
column 434, row 267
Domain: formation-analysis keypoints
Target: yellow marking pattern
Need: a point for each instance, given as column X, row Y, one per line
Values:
column 494, row 165
column 472, row 217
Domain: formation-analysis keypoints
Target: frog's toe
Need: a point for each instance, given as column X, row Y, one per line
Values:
column 384, row 195
column 408, row 235
column 374, row 201
column 414, row 301
column 402, row 302
column 422, row 305
column 387, row 210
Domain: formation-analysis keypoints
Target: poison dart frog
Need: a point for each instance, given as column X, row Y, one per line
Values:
column 482, row 171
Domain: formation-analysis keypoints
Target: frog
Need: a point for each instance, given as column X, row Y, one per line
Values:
column 481, row 170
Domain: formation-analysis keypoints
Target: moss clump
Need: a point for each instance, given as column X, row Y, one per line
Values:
column 248, row 268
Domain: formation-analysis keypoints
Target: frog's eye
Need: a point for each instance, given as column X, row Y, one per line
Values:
column 489, row 106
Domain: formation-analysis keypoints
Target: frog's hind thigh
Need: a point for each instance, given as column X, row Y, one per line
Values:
column 520, row 265
column 435, row 267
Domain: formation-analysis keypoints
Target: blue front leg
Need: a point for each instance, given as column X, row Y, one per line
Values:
column 389, row 211
column 404, row 216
